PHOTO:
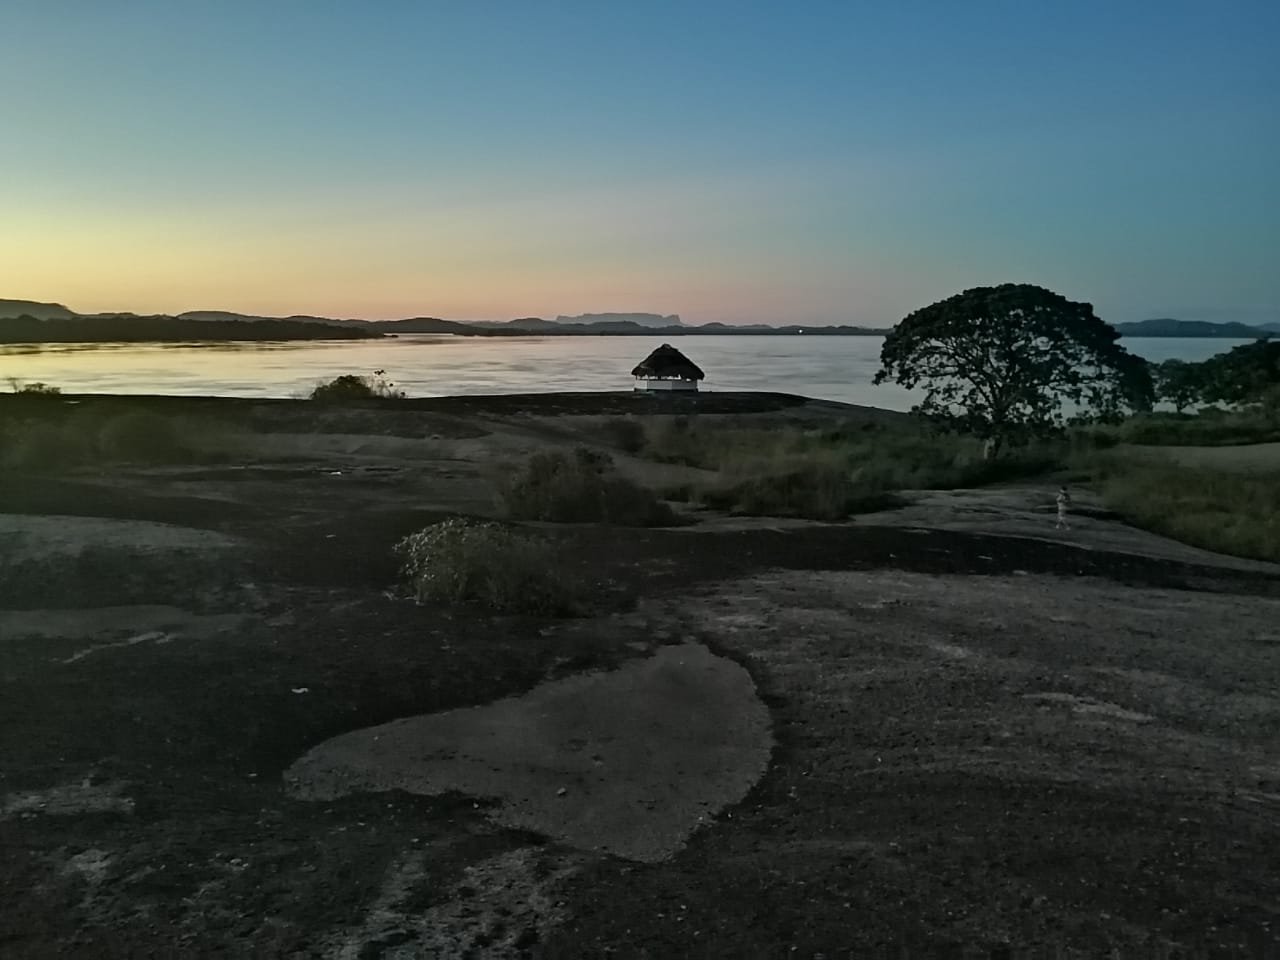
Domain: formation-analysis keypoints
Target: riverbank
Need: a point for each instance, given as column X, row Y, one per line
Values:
column 180, row 628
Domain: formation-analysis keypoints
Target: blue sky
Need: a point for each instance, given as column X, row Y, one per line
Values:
column 816, row 162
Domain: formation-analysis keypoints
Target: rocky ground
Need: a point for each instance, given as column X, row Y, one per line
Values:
column 949, row 727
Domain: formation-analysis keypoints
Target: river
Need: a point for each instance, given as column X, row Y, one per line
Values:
column 831, row 368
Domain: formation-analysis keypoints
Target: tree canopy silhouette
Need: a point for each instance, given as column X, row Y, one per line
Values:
column 1014, row 361
column 1243, row 374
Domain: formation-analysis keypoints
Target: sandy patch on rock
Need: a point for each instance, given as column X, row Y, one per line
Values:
column 24, row 538
column 123, row 626
column 628, row 762
column 72, row 799
column 501, row 906
column 1088, row 705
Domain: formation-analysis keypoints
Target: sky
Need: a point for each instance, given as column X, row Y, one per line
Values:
column 812, row 162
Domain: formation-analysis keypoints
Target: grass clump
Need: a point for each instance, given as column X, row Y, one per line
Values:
column 482, row 564
column 579, row 487
column 1228, row 512
column 41, row 446
column 812, row 491
column 897, row 457
column 351, row 389
column 64, row 440
column 33, row 389
column 1211, row 427
column 140, row 435
column 625, row 433
column 833, row 470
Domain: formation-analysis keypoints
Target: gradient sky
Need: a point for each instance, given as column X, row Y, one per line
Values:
column 806, row 162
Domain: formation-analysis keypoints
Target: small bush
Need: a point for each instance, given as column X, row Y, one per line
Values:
column 141, row 435
column 474, row 563
column 813, row 491
column 581, row 487
column 36, row 389
column 625, row 433
column 676, row 440
column 39, row 445
column 352, row 389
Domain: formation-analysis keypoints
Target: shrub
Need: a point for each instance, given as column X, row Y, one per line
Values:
column 814, row 491
column 473, row 563
column 352, row 389
column 37, row 388
column 40, row 445
column 675, row 440
column 625, row 433
column 141, row 435
column 581, row 487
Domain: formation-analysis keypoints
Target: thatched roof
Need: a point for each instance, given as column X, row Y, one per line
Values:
column 668, row 363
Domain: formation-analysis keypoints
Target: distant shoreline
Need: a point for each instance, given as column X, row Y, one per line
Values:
column 550, row 403
column 266, row 331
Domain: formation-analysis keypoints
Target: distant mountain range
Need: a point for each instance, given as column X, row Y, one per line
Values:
column 653, row 320
column 1165, row 327
column 29, row 321
column 55, row 322
column 33, row 308
column 129, row 328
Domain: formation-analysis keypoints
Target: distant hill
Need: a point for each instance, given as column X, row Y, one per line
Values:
column 1167, row 327
column 424, row 325
column 67, row 325
column 34, row 308
column 228, row 316
column 640, row 319
column 129, row 328
column 532, row 324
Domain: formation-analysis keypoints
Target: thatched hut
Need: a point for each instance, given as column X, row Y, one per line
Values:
column 667, row 369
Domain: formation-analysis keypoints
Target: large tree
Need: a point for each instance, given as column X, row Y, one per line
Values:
column 1014, row 361
column 1180, row 383
column 1243, row 374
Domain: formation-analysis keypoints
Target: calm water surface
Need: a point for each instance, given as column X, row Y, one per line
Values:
column 832, row 368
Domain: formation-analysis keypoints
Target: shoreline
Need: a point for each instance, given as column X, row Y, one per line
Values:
column 583, row 402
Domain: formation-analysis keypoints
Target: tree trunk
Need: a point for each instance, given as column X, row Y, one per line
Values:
column 991, row 449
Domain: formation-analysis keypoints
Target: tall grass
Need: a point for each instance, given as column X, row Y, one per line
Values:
column 579, row 487
column 65, row 441
column 830, row 472
column 1228, row 512
column 1211, row 427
